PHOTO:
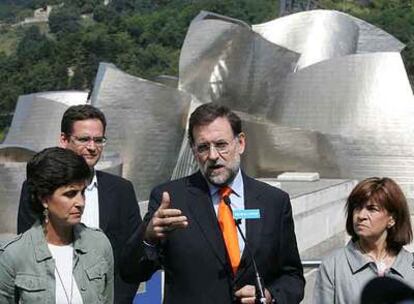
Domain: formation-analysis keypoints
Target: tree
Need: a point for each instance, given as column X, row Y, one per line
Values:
column 34, row 46
column 85, row 6
column 104, row 13
column 65, row 19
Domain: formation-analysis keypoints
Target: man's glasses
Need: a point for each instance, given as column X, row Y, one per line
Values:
column 222, row 147
column 85, row 140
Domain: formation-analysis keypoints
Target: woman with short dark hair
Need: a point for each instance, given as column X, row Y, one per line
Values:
column 58, row 260
column 378, row 221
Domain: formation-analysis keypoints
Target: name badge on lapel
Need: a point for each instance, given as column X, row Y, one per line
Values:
column 246, row 214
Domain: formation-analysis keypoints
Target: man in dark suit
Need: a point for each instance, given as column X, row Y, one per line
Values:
column 185, row 231
column 111, row 203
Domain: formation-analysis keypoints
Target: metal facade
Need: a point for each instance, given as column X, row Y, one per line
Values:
column 317, row 91
column 329, row 92
column 146, row 124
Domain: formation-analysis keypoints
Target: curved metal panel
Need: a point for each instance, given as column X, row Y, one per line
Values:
column 364, row 108
column 316, row 35
column 347, row 95
column 273, row 148
column 229, row 63
column 146, row 123
column 373, row 39
column 12, row 175
column 36, row 120
column 69, row 98
column 15, row 154
column 304, row 31
column 186, row 163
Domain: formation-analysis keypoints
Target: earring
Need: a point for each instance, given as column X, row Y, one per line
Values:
column 46, row 215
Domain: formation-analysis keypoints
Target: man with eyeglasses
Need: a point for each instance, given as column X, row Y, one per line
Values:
column 111, row 204
column 189, row 230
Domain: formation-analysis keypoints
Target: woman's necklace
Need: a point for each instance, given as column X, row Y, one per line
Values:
column 381, row 263
column 68, row 298
column 381, row 267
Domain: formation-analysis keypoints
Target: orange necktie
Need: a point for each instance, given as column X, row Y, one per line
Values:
column 229, row 230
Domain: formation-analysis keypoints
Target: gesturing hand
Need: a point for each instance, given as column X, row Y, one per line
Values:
column 164, row 221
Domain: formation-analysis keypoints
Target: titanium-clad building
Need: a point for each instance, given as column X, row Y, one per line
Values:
column 317, row 91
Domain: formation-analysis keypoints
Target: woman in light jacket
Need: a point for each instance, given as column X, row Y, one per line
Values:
column 378, row 222
column 59, row 260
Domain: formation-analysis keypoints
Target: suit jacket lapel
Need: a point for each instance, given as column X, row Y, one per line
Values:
column 201, row 207
column 253, row 226
column 104, row 199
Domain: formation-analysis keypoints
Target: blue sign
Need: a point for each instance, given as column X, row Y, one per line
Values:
column 240, row 214
column 150, row 292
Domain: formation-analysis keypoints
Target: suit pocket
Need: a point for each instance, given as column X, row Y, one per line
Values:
column 31, row 288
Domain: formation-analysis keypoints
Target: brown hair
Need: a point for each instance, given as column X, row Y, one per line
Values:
column 207, row 113
column 80, row 112
column 387, row 194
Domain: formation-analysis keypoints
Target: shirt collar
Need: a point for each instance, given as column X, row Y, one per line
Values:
column 355, row 258
column 41, row 249
column 403, row 262
column 39, row 242
column 236, row 186
column 94, row 182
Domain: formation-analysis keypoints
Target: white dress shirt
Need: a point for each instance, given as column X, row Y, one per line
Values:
column 90, row 215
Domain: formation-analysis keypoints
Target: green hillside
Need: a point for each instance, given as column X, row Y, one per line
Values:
column 9, row 40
